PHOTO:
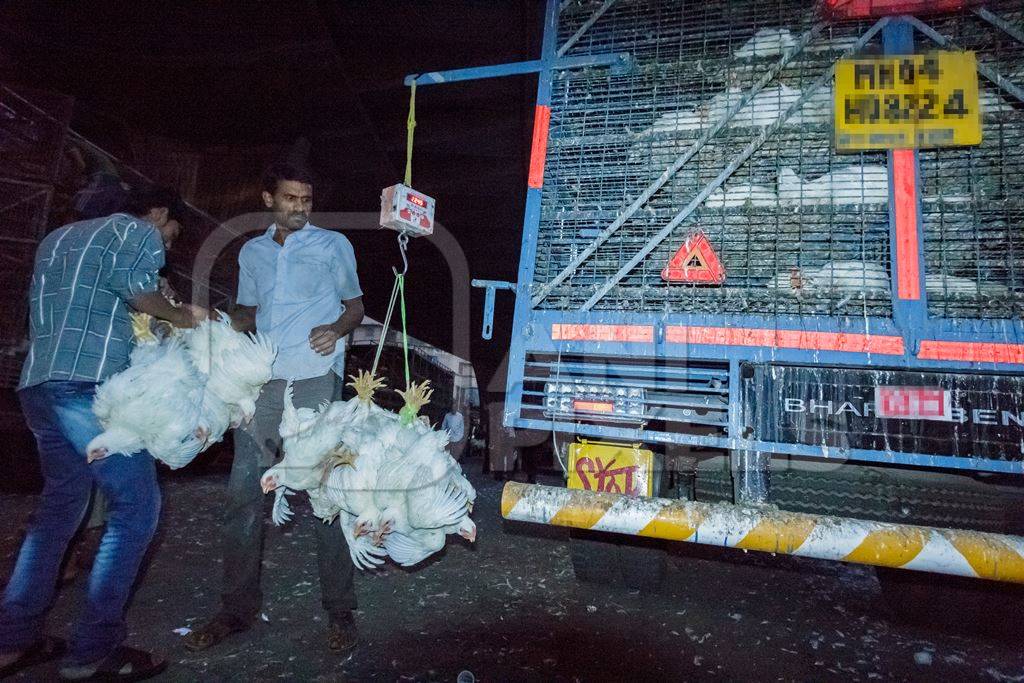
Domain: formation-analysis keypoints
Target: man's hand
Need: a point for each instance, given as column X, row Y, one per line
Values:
column 191, row 315
column 168, row 291
column 323, row 339
column 154, row 303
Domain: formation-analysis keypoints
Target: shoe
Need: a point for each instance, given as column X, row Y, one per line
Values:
column 43, row 650
column 342, row 634
column 123, row 664
column 214, row 631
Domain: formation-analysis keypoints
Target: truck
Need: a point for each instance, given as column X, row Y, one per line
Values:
column 748, row 325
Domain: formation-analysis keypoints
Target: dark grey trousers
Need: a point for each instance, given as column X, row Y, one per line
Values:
column 256, row 446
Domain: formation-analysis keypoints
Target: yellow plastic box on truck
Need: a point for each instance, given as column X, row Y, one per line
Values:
column 606, row 467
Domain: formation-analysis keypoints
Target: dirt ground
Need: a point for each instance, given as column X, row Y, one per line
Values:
column 510, row 609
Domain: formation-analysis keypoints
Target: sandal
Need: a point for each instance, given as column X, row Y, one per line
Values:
column 342, row 635
column 123, row 664
column 44, row 650
column 214, row 631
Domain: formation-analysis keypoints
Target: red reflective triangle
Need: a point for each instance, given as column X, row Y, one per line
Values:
column 695, row 261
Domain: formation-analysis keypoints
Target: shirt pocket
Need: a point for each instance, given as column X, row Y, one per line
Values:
column 311, row 277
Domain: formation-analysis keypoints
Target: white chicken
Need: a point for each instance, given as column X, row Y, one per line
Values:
column 942, row 284
column 851, row 277
column 386, row 478
column 422, row 498
column 309, row 438
column 152, row 404
column 237, row 365
column 867, row 184
column 180, row 393
column 765, row 108
column 742, row 195
column 768, row 42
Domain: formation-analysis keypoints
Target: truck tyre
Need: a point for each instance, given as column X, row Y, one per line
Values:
column 867, row 495
column 595, row 559
column 952, row 604
column 617, row 560
column 643, row 562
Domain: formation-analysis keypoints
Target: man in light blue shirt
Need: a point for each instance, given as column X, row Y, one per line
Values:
column 297, row 284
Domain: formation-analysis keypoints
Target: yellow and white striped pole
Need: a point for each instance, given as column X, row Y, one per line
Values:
column 945, row 551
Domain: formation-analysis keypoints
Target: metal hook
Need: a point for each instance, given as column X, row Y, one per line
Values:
column 403, row 243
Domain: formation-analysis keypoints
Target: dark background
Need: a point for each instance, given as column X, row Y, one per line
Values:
column 237, row 85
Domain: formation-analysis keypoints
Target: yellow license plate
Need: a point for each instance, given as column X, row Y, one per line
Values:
column 611, row 468
column 928, row 100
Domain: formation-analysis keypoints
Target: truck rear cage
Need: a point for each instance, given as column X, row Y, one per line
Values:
column 972, row 197
column 791, row 241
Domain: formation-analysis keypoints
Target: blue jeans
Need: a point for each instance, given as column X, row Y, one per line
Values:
column 60, row 415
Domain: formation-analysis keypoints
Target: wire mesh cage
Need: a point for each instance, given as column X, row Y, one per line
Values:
column 799, row 228
column 973, row 198
column 16, row 260
column 23, row 210
column 33, row 124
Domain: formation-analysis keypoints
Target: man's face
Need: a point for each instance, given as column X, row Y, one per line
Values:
column 291, row 203
column 169, row 232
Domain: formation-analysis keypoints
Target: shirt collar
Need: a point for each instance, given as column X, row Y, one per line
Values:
column 273, row 228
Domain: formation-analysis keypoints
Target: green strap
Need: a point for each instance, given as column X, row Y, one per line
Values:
column 410, row 126
column 405, row 336
column 397, row 296
column 384, row 328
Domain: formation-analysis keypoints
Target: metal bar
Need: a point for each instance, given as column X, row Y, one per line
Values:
column 906, row 228
column 828, row 453
column 516, row 68
column 19, row 240
column 754, row 145
column 1000, row 23
column 965, row 329
column 531, row 223
column 608, row 369
column 494, row 284
column 490, row 286
column 985, row 71
column 939, row 355
column 751, row 475
column 488, row 325
column 586, row 26
column 488, row 302
column 998, row 557
column 698, row 145
column 45, row 191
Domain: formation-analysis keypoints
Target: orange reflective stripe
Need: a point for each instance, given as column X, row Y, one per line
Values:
column 619, row 333
column 793, row 339
column 539, row 149
column 908, row 275
column 972, row 352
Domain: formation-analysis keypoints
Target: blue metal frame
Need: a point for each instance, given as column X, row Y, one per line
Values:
column 490, row 286
column 619, row 63
column 910, row 319
column 911, row 315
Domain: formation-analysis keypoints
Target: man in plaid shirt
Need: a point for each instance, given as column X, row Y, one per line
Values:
column 87, row 277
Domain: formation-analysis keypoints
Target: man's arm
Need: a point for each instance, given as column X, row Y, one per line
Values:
column 243, row 318
column 324, row 338
column 156, row 305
